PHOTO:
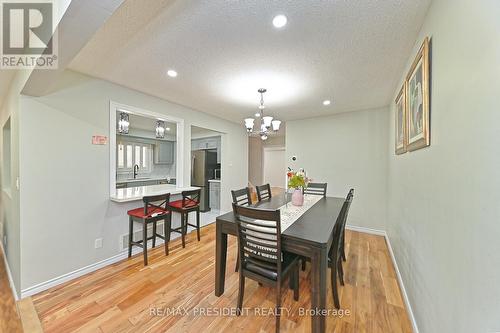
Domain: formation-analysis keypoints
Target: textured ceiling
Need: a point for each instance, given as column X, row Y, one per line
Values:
column 352, row 52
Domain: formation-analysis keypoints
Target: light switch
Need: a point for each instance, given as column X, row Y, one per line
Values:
column 98, row 243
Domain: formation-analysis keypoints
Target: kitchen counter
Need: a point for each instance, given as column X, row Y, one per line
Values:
column 138, row 192
column 214, row 180
column 140, row 179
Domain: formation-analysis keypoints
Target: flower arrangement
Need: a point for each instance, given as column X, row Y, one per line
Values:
column 297, row 179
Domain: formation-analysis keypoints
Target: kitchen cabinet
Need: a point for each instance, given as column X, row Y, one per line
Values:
column 214, row 188
column 208, row 143
column 164, row 152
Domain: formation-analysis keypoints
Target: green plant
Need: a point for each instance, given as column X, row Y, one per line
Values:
column 296, row 181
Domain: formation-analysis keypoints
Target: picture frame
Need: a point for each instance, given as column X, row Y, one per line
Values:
column 417, row 100
column 400, row 121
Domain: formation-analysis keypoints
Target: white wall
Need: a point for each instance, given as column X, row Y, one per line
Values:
column 65, row 179
column 444, row 212
column 10, row 212
column 346, row 150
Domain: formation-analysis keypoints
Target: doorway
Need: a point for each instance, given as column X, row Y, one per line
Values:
column 274, row 166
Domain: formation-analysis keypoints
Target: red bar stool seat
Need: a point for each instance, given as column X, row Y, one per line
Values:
column 190, row 202
column 150, row 213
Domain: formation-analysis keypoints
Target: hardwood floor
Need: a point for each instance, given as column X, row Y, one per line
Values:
column 9, row 319
column 128, row 297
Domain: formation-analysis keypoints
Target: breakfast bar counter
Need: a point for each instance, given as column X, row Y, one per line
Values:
column 137, row 193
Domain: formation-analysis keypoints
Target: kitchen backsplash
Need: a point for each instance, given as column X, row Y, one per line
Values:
column 158, row 171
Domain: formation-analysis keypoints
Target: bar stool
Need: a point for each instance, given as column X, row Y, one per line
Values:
column 150, row 213
column 190, row 203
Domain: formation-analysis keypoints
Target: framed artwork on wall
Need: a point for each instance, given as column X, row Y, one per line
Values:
column 401, row 121
column 417, row 96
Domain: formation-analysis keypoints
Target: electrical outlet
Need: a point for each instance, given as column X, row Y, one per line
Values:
column 98, row 243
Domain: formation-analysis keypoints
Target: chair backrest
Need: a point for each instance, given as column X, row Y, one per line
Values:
column 259, row 239
column 242, row 197
column 191, row 198
column 339, row 229
column 316, row 188
column 151, row 202
column 263, row 192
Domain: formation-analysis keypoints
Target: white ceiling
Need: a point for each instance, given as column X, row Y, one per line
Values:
column 352, row 52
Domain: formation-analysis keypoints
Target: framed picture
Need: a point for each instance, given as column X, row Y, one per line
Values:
column 401, row 121
column 417, row 96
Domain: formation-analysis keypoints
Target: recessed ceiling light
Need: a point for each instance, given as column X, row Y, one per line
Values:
column 279, row 21
column 171, row 73
column 168, row 128
column 327, row 102
column 257, row 115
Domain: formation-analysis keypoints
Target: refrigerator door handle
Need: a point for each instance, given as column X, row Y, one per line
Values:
column 192, row 167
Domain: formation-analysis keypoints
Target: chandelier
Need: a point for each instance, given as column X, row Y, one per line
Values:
column 267, row 124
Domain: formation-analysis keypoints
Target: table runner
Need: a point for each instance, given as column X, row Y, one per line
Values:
column 290, row 213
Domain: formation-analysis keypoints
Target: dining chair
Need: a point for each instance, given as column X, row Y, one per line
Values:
column 342, row 246
column 261, row 256
column 316, row 189
column 190, row 202
column 151, row 212
column 263, row 192
column 335, row 252
column 241, row 197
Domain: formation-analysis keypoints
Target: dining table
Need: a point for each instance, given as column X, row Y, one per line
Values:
column 310, row 235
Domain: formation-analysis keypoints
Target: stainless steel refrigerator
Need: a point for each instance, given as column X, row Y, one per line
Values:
column 203, row 165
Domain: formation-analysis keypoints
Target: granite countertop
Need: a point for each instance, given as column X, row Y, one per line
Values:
column 138, row 192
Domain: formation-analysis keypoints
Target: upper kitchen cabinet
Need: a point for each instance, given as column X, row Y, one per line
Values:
column 164, row 152
column 208, row 143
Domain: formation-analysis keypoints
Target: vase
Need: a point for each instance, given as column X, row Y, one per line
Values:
column 297, row 197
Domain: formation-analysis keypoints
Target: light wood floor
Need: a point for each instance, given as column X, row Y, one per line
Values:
column 9, row 319
column 122, row 297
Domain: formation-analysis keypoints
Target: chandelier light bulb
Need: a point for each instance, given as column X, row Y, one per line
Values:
column 276, row 125
column 249, row 122
column 267, row 121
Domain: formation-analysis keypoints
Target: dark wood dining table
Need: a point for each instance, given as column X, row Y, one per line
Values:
column 309, row 236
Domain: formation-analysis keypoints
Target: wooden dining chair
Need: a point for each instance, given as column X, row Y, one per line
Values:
column 316, row 189
column 261, row 256
column 334, row 254
column 263, row 192
column 342, row 246
column 241, row 197
column 151, row 212
column 190, row 202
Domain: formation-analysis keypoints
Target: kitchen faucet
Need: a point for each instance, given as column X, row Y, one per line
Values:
column 136, row 170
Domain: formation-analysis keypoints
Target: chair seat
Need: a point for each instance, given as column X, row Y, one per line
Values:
column 139, row 212
column 266, row 269
column 178, row 204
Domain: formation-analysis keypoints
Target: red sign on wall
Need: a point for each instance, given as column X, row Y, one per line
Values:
column 99, row 140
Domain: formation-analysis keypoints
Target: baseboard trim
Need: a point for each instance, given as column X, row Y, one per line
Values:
column 9, row 274
column 401, row 285
column 33, row 290
column 30, row 291
column 365, row 230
